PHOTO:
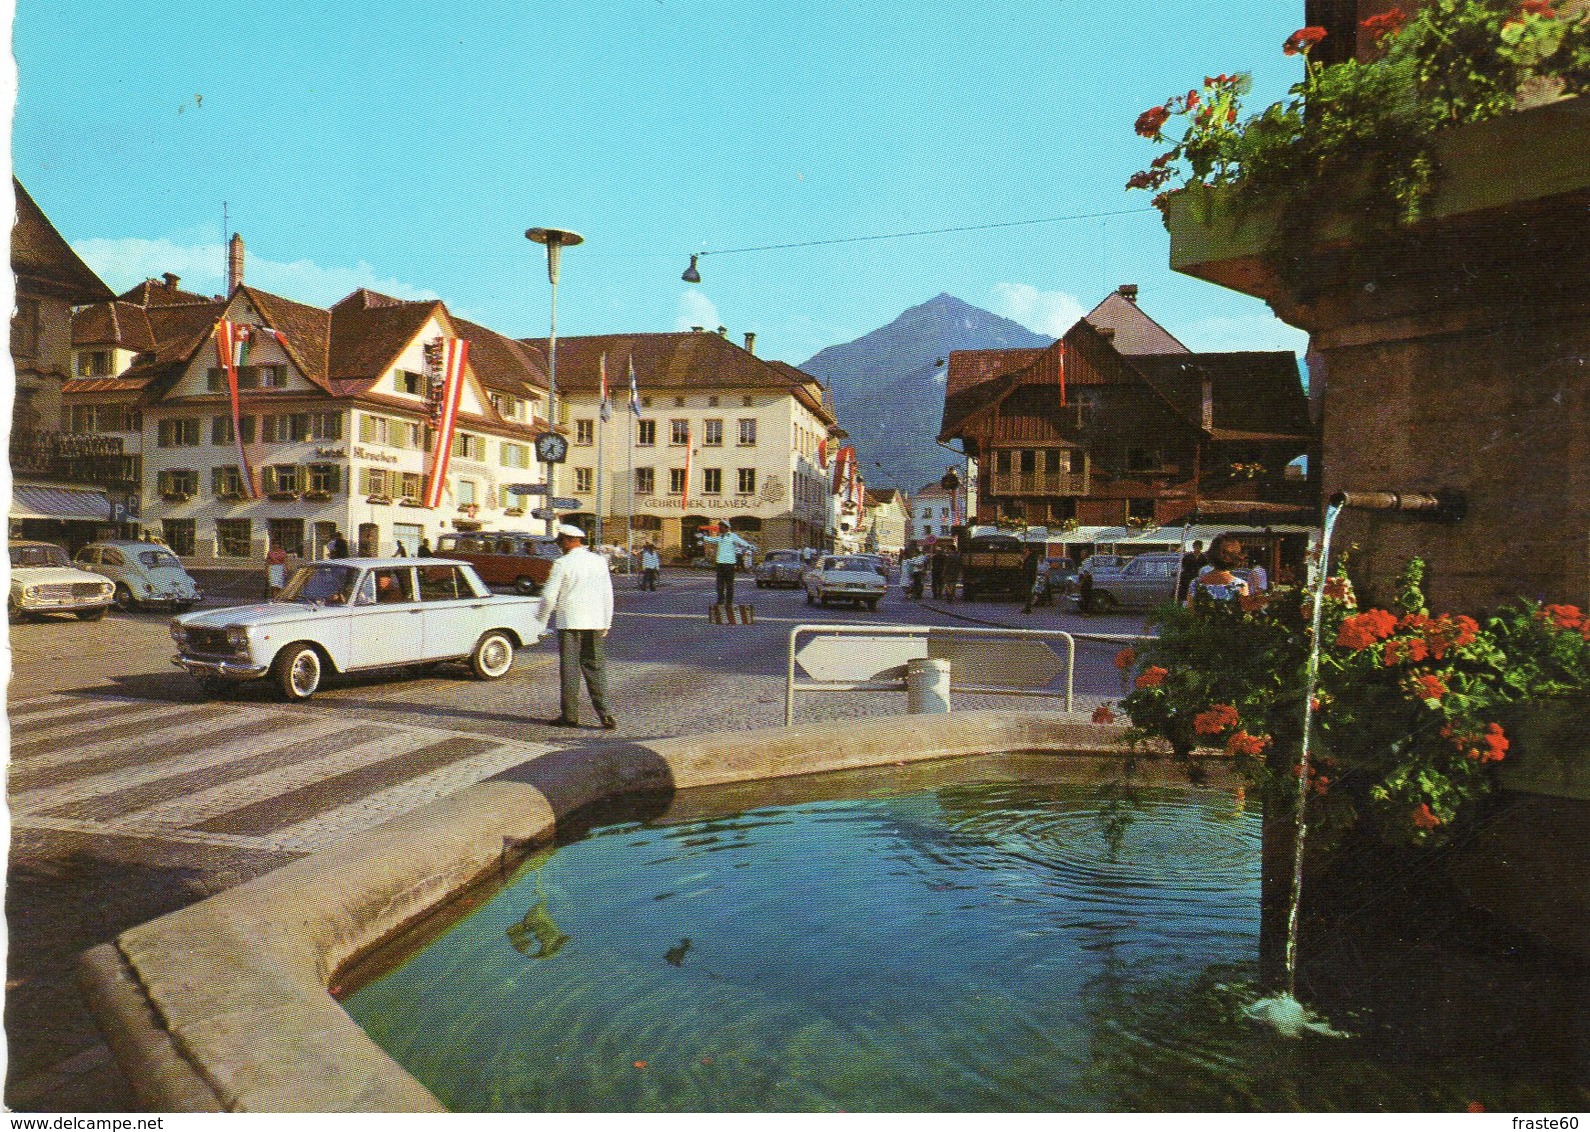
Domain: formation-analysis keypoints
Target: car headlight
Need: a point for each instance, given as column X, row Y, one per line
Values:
column 106, row 588
column 237, row 636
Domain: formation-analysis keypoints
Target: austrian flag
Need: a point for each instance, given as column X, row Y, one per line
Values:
column 230, row 345
column 455, row 351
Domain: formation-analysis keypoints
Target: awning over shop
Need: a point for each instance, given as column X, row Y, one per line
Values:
column 33, row 501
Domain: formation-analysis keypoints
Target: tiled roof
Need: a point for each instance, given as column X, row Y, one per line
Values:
column 113, row 324
column 501, row 362
column 158, row 293
column 44, row 262
column 307, row 329
column 1257, row 395
column 1135, row 333
column 674, row 362
column 366, row 340
column 364, row 299
column 973, row 367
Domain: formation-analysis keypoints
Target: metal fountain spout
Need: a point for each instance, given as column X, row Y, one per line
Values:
column 1441, row 506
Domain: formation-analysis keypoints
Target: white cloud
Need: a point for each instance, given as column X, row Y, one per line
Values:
column 695, row 309
column 1047, row 312
column 124, row 263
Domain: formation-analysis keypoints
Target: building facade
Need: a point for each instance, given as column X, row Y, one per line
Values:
column 1119, row 424
column 336, row 427
column 719, row 434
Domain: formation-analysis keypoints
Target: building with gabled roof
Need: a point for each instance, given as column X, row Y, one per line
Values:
column 1119, row 423
column 754, row 429
column 334, row 408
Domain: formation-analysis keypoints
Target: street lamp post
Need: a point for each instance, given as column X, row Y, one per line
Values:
column 555, row 239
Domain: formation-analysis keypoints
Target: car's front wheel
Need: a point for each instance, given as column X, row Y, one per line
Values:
column 91, row 614
column 493, row 655
column 124, row 598
column 297, row 672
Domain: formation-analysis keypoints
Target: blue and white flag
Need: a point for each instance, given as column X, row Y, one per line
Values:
column 634, row 394
column 607, row 407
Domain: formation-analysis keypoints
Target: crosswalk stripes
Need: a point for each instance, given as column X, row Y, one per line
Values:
column 231, row 775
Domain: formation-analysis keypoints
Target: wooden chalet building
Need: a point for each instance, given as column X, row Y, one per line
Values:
column 1119, row 424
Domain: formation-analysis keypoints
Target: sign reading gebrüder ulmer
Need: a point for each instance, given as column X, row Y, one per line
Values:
column 736, row 504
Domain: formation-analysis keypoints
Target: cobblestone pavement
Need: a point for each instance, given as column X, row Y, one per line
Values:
column 131, row 796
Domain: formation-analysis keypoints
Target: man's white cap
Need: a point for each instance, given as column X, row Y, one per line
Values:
column 569, row 530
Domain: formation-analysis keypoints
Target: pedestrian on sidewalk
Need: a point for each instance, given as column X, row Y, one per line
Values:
column 1191, row 563
column 936, row 566
column 337, row 547
column 579, row 591
column 728, row 546
column 650, row 567
column 275, row 571
column 952, row 572
column 1031, row 571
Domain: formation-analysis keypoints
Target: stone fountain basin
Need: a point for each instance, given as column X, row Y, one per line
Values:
column 226, row 1005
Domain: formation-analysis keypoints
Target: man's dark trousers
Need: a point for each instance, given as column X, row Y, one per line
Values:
column 580, row 650
column 725, row 583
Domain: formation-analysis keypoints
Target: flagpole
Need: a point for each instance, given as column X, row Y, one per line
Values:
column 629, row 505
column 601, row 445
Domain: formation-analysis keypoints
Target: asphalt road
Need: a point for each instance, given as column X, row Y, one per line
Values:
column 131, row 794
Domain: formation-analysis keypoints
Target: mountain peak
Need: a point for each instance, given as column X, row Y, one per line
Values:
column 888, row 385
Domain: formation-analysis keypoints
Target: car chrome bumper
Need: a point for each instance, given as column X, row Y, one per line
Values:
column 34, row 605
column 221, row 669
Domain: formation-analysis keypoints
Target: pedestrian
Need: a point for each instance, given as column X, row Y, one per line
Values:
column 1191, row 563
column 1031, row 571
column 1085, row 591
column 400, row 552
column 1258, row 578
column 579, row 591
column 728, row 547
column 936, row 566
column 952, row 572
column 337, row 546
column 1217, row 579
column 425, row 549
column 275, row 570
column 650, row 567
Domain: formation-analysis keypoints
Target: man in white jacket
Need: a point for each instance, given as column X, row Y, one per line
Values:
column 580, row 592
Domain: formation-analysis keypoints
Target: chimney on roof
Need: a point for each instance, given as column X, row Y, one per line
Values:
column 1128, row 292
column 750, row 341
column 234, row 263
column 723, row 332
column 171, row 281
column 697, row 329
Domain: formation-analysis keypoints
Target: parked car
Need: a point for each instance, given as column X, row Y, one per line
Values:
column 844, row 578
column 504, row 558
column 879, row 563
column 144, row 574
column 1145, row 581
column 1098, row 565
column 43, row 580
column 993, row 564
column 351, row 615
column 780, row 568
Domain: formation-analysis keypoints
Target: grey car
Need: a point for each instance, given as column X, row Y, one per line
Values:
column 780, row 568
column 1146, row 581
column 145, row 573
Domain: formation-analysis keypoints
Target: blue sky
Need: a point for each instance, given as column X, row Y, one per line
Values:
column 406, row 147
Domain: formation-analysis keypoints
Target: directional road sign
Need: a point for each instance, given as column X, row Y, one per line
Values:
column 564, row 503
column 543, row 513
column 845, row 658
column 527, row 489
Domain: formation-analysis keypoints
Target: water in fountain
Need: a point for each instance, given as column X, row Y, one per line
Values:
column 1283, row 1011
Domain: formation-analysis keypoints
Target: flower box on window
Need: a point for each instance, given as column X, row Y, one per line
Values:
column 175, row 496
column 317, row 496
column 514, row 512
column 380, row 499
column 409, row 501
column 230, row 496
column 282, row 496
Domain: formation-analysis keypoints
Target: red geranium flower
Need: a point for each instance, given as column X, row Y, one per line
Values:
column 1496, row 744
column 1386, row 23
column 1424, row 818
column 1125, row 658
column 1241, row 743
column 1221, row 717
column 1364, row 629
column 1430, row 687
column 1152, row 677
column 1563, row 616
column 1539, row 8
column 1103, row 714
column 1302, row 41
column 1151, row 121
column 1338, row 588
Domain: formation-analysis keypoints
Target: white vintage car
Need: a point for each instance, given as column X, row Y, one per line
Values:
column 43, row 580
column 852, row 577
column 355, row 614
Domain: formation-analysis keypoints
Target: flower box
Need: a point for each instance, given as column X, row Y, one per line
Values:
column 408, row 502
column 282, row 496
column 317, row 496
column 175, row 496
column 380, row 500
column 1520, row 159
column 514, row 512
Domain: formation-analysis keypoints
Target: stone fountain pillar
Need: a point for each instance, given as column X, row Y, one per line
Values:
column 1454, row 358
